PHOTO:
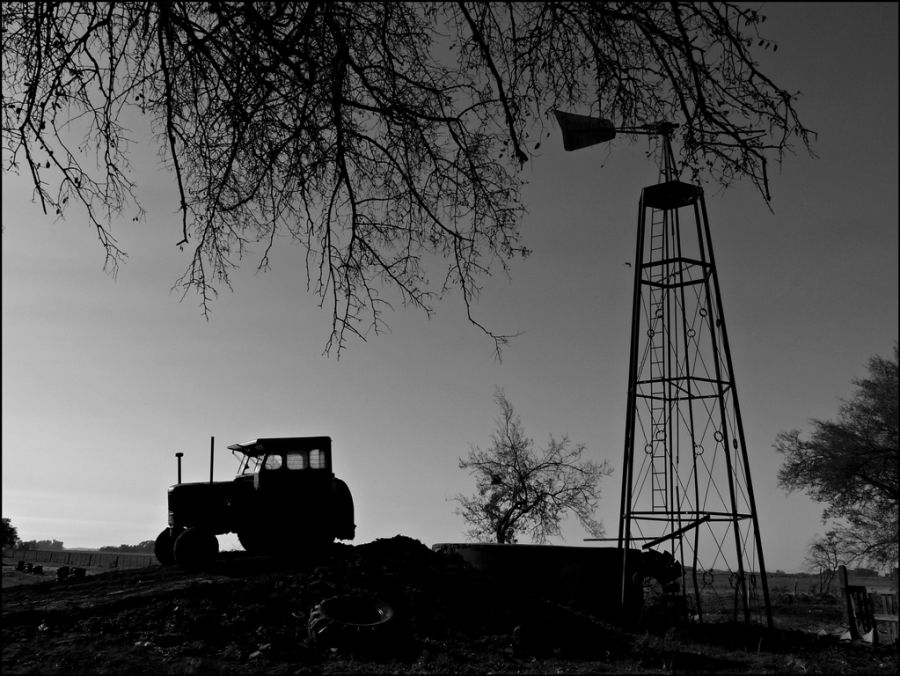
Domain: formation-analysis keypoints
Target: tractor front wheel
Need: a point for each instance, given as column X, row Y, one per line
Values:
column 195, row 549
column 164, row 548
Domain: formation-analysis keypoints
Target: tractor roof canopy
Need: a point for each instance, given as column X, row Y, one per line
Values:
column 259, row 447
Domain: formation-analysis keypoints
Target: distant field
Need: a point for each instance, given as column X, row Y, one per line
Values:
column 801, row 583
column 808, row 583
column 92, row 561
column 14, row 578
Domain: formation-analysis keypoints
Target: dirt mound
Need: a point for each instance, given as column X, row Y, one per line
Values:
column 249, row 614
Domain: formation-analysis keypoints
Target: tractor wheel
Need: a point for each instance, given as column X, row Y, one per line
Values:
column 351, row 622
column 164, row 548
column 195, row 549
column 254, row 541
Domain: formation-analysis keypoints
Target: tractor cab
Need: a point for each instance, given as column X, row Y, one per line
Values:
column 268, row 460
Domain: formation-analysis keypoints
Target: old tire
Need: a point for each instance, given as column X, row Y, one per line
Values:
column 164, row 548
column 195, row 549
column 351, row 622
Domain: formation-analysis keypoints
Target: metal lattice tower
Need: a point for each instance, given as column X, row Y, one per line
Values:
column 686, row 487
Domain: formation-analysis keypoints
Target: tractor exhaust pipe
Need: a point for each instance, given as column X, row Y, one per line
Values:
column 179, row 455
column 212, row 445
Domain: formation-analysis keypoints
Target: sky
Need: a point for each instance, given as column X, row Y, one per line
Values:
column 104, row 380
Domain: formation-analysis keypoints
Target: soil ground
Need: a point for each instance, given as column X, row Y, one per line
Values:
column 250, row 614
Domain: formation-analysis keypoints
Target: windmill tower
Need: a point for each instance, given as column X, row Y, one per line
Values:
column 686, row 488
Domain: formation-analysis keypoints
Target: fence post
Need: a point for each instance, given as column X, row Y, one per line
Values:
column 848, row 609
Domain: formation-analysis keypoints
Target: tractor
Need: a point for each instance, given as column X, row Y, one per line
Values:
column 285, row 499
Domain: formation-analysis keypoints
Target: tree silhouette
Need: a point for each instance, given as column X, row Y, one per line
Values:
column 145, row 546
column 852, row 466
column 385, row 138
column 519, row 490
column 10, row 533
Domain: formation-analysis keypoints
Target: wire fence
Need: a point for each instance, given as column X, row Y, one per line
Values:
column 64, row 557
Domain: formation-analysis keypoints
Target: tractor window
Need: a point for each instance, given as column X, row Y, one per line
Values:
column 251, row 465
column 317, row 459
column 273, row 462
column 296, row 461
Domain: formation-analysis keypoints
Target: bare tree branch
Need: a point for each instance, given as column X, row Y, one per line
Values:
column 385, row 138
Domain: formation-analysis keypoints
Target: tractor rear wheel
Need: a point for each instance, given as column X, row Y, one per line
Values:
column 195, row 549
column 254, row 541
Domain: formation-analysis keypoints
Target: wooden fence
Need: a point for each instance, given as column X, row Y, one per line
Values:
column 869, row 613
column 884, row 611
column 65, row 557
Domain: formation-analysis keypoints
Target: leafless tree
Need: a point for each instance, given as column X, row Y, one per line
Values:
column 519, row 490
column 826, row 554
column 385, row 138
